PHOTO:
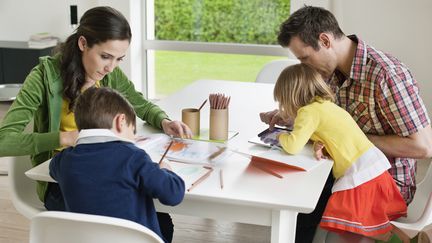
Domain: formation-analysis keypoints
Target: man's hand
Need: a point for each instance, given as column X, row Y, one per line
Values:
column 176, row 129
column 273, row 118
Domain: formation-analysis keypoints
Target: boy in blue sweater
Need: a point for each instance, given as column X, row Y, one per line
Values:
column 105, row 173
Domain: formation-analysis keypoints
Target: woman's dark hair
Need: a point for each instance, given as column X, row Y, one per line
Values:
column 308, row 23
column 97, row 107
column 97, row 25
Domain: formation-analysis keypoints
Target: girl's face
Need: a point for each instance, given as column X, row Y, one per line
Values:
column 102, row 58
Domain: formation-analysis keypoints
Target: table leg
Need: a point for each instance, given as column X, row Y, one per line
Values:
column 283, row 226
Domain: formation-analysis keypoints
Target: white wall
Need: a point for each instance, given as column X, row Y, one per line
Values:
column 399, row 27
column 17, row 23
column 21, row 18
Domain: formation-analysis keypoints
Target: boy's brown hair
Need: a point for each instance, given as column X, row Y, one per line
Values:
column 299, row 85
column 97, row 107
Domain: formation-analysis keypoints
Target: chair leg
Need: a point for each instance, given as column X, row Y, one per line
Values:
column 402, row 236
column 424, row 237
column 347, row 238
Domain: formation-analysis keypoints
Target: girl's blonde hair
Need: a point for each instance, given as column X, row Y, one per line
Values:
column 299, row 85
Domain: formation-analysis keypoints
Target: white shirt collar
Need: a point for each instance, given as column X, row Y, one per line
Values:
column 87, row 136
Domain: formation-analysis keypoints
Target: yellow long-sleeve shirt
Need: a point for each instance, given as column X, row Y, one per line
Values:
column 326, row 122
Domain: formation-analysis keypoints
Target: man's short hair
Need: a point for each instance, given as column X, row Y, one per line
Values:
column 97, row 107
column 308, row 23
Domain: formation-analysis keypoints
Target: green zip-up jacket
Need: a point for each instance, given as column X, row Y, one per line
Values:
column 40, row 99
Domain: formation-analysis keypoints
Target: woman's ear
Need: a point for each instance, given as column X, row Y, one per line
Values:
column 82, row 43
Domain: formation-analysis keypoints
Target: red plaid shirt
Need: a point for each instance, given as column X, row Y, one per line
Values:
column 383, row 97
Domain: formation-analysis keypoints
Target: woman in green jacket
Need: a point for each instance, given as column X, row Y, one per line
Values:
column 89, row 57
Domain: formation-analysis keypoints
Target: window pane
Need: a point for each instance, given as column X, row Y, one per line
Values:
column 175, row 69
column 228, row 21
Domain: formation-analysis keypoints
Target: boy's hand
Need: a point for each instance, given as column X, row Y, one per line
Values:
column 165, row 165
column 319, row 150
column 176, row 129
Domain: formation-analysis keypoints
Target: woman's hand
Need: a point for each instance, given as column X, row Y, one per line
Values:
column 273, row 118
column 68, row 139
column 319, row 150
column 176, row 129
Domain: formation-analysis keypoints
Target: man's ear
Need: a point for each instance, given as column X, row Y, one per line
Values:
column 82, row 43
column 119, row 122
column 324, row 40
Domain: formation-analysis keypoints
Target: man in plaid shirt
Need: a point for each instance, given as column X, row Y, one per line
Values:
column 377, row 90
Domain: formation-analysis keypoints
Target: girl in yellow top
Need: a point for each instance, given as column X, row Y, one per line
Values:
column 364, row 197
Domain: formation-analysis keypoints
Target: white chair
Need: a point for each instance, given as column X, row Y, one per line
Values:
column 66, row 227
column 419, row 211
column 271, row 71
column 23, row 189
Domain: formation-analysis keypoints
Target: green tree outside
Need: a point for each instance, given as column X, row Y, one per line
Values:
column 227, row 21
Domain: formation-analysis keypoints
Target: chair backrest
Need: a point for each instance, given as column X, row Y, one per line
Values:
column 271, row 71
column 23, row 189
column 420, row 209
column 66, row 227
column 421, row 200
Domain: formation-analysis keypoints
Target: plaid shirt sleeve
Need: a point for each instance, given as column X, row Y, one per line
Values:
column 400, row 102
column 405, row 113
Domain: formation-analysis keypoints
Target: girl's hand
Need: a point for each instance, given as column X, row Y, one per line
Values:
column 273, row 118
column 68, row 138
column 176, row 129
column 319, row 150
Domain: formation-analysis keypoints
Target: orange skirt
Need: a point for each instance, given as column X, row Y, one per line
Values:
column 366, row 209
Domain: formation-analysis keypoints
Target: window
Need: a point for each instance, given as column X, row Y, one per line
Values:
column 188, row 40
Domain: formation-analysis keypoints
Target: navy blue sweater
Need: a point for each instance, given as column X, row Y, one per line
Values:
column 115, row 179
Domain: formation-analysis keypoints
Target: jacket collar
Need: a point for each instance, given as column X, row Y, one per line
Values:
column 88, row 136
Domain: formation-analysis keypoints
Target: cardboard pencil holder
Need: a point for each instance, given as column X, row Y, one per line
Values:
column 219, row 124
column 191, row 117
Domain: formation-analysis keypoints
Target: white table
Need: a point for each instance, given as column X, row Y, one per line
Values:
column 249, row 195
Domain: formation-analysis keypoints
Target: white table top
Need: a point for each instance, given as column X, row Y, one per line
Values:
column 243, row 185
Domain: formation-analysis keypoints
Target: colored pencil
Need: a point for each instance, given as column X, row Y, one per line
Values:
column 221, row 178
column 202, row 105
column 202, row 178
column 166, row 151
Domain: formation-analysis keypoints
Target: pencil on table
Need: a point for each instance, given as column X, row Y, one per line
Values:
column 202, row 178
column 221, row 178
column 217, row 153
column 166, row 151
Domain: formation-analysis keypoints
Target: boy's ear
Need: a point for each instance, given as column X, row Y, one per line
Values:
column 119, row 122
